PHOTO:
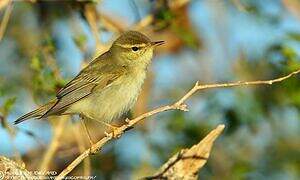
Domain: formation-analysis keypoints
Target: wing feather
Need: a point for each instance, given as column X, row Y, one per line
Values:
column 70, row 98
column 94, row 75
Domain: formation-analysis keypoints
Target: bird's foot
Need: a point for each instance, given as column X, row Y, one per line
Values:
column 114, row 132
column 128, row 125
column 93, row 152
column 127, row 121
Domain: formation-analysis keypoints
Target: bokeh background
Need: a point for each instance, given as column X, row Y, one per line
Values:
column 43, row 44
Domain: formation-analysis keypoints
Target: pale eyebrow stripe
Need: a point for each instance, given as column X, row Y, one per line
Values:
column 132, row 45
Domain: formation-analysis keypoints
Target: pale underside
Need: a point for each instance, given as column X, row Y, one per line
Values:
column 110, row 102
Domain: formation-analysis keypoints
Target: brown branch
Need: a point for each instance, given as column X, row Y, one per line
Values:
column 187, row 163
column 226, row 85
column 91, row 16
column 5, row 19
column 239, row 5
column 292, row 6
column 111, row 24
column 11, row 170
column 177, row 105
column 4, row 3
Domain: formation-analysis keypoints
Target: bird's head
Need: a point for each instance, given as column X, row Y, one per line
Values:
column 133, row 48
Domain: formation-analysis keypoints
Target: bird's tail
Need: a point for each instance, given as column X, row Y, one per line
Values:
column 38, row 113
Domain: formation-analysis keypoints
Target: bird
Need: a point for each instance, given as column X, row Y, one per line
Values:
column 108, row 86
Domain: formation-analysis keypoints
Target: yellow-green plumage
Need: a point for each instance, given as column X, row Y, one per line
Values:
column 108, row 86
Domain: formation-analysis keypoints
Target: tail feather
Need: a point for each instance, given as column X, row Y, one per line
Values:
column 38, row 113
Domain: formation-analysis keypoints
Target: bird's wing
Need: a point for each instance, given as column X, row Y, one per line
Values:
column 92, row 74
column 98, row 75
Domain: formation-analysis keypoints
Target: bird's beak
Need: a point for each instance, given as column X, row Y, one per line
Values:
column 157, row 43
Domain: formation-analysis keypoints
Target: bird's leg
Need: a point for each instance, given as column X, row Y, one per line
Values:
column 113, row 128
column 87, row 132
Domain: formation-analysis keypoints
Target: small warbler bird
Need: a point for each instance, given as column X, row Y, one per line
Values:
column 108, row 86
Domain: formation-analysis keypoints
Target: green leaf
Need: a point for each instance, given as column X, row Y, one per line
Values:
column 8, row 104
column 35, row 63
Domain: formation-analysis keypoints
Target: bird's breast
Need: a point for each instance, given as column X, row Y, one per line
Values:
column 114, row 100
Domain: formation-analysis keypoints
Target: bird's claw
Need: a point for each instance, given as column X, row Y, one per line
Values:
column 93, row 152
column 127, row 120
column 114, row 133
column 106, row 134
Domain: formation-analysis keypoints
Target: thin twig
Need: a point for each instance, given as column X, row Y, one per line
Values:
column 226, row 85
column 146, row 21
column 292, row 6
column 90, row 15
column 111, row 24
column 10, row 169
column 4, row 3
column 180, row 105
column 11, row 131
column 58, row 132
column 80, row 142
column 5, row 19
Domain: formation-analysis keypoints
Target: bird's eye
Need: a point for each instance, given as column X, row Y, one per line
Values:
column 135, row 48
